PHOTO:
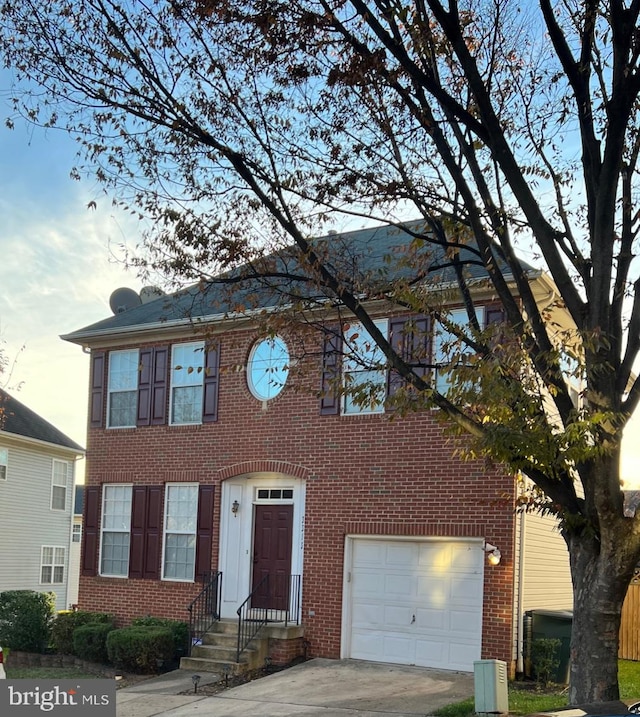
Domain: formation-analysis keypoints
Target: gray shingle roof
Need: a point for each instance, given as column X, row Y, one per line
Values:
column 365, row 256
column 19, row 420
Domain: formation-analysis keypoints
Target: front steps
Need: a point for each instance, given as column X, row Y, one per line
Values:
column 217, row 653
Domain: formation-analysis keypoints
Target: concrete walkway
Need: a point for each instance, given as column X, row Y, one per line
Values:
column 318, row 688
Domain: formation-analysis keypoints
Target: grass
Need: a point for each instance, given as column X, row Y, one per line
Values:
column 528, row 701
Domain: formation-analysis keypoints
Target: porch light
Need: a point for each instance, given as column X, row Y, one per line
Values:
column 235, row 507
column 493, row 554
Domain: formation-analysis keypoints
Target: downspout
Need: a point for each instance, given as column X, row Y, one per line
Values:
column 520, row 600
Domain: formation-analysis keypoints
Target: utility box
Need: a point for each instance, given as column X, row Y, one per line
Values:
column 490, row 687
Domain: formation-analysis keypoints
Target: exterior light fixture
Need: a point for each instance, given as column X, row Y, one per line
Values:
column 493, row 554
column 235, row 507
column 195, row 679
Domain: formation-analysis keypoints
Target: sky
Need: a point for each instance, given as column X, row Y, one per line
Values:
column 60, row 260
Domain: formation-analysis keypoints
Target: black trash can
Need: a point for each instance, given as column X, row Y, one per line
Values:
column 552, row 624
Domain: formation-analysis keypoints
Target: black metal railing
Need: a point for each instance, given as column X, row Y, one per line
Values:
column 276, row 598
column 204, row 609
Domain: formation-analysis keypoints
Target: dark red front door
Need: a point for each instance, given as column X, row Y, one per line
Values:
column 272, row 555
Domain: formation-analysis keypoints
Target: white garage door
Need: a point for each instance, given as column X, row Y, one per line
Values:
column 415, row 603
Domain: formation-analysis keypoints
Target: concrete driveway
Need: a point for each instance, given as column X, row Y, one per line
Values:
column 318, row 688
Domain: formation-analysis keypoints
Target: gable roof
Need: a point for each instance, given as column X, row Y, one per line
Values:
column 368, row 255
column 17, row 419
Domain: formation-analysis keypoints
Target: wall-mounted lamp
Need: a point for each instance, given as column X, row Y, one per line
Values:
column 493, row 554
column 235, row 507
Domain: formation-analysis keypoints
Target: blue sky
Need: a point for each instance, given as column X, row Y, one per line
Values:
column 60, row 262
column 58, row 269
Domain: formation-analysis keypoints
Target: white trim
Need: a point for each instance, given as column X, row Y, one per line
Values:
column 193, row 532
column 236, row 532
column 103, row 492
column 67, row 466
column 53, row 564
column 198, row 370
column 134, row 371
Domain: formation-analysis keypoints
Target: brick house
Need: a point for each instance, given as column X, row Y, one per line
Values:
column 208, row 452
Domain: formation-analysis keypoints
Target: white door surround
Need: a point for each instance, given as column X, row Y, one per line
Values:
column 413, row 601
column 235, row 558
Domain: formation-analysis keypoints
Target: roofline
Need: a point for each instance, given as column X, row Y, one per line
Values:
column 18, row 437
column 83, row 339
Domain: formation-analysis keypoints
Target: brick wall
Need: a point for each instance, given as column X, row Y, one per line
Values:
column 371, row 475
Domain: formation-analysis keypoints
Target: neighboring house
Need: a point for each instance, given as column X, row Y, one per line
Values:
column 37, row 469
column 74, row 552
column 211, row 453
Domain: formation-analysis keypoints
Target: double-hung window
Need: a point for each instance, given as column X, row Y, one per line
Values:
column 447, row 349
column 180, row 524
column 59, row 482
column 52, row 565
column 187, row 378
column 123, row 388
column 364, row 371
column 116, row 526
column 4, row 463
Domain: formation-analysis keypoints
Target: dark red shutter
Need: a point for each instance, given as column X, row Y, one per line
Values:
column 152, row 387
column 210, row 384
column 159, row 380
column 138, row 521
column 90, row 530
column 330, row 394
column 96, row 408
column 494, row 315
column 410, row 339
column 145, row 378
column 204, row 535
column 153, row 533
column 146, row 532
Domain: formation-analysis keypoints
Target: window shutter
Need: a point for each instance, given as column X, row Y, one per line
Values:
column 96, row 409
column 211, row 383
column 136, row 545
column 152, row 387
column 409, row 338
column 153, row 533
column 159, row 386
column 144, row 387
column 146, row 532
column 330, row 396
column 494, row 315
column 204, row 535
column 90, row 535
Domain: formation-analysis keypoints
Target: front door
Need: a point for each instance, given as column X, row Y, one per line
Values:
column 273, row 529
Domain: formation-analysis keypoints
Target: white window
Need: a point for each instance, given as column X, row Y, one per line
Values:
column 365, row 375
column 187, row 376
column 123, row 388
column 59, row 483
column 52, row 565
column 77, row 533
column 4, row 463
column 116, row 524
column 447, row 348
column 180, row 519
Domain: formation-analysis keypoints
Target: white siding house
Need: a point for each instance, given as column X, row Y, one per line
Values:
column 37, row 475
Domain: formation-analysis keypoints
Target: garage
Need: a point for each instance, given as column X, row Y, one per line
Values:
column 413, row 602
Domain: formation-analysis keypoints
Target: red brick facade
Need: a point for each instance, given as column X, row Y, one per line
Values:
column 364, row 475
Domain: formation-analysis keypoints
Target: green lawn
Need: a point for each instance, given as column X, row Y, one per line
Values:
column 524, row 702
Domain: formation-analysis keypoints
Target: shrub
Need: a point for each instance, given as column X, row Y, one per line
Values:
column 66, row 623
column 25, row 619
column 90, row 641
column 544, row 658
column 179, row 630
column 140, row 649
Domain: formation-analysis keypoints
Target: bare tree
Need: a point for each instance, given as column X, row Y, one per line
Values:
column 243, row 128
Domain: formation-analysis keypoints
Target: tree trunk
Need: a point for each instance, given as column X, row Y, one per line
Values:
column 601, row 571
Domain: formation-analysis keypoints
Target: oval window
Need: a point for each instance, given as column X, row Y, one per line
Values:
column 268, row 368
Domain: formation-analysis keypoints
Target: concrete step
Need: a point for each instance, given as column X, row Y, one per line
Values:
column 220, row 667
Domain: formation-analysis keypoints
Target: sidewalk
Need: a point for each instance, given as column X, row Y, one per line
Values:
column 318, row 688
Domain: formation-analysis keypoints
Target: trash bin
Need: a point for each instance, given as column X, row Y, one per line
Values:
column 552, row 624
